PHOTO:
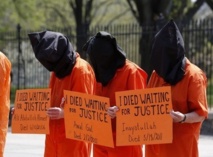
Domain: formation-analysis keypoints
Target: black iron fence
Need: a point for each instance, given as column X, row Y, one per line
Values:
column 29, row 73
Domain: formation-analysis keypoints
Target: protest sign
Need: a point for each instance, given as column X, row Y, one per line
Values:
column 86, row 118
column 30, row 111
column 144, row 116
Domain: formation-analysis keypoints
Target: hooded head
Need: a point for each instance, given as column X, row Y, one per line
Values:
column 168, row 53
column 54, row 51
column 105, row 56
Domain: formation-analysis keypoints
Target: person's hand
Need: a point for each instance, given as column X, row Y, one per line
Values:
column 177, row 116
column 55, row 113
column 112, row 111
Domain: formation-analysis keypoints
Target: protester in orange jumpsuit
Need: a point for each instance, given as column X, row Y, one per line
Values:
column 113, row 73
column 70, row 72
column 188, row 88
column 5, row 69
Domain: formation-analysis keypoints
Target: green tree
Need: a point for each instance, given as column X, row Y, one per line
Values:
column 82, row 14
column 20, row 11
column 77, row 14
column 90, row 12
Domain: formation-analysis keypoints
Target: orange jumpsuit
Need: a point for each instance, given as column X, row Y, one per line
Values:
column 188, row 95
column 5, row 68
column 129, row 77
column 81, row 79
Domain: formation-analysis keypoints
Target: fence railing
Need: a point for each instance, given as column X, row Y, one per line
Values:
column 29, row 73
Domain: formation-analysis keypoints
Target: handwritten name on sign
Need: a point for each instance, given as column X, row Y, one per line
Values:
column 86, row 118
column 30, row 111
column 143, row 116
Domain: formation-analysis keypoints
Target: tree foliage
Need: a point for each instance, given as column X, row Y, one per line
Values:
column 47, row 14
column 36, row 14
column 82, row 14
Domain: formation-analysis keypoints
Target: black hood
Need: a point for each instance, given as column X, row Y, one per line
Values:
column 168, row 53
column 105, row 56
column 54, row 51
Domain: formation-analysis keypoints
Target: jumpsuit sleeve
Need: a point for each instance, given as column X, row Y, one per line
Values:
column 197, row 98
column 5, row 69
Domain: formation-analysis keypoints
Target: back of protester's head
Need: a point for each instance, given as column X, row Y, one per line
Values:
column 105, row 56
column 54, row 51
column 168, row 53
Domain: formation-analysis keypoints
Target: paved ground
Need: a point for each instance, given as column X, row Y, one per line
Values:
column 24, row 145
column 31, row 145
